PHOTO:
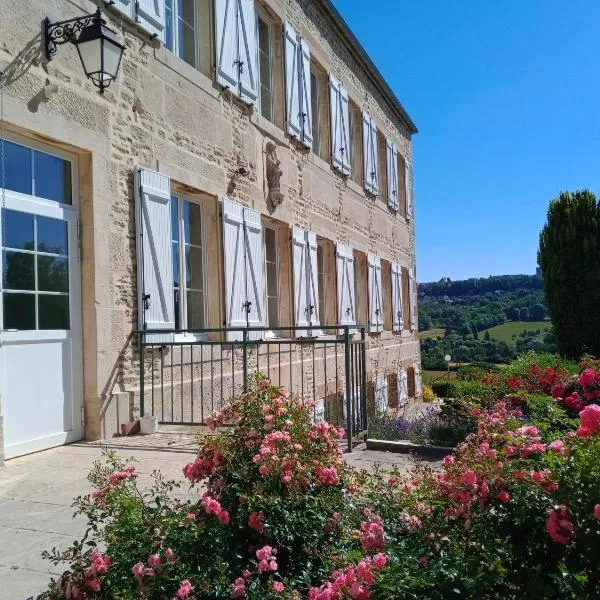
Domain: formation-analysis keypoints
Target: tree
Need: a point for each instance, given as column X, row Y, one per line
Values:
column 512, row 313
column 486, row 336
column 524, row 314
column 537, row 312
column 569, row 257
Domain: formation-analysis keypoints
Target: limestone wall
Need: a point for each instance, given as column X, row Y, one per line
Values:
column 168, row 116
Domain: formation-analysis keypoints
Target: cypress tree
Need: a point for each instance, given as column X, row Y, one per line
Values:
column 569, row 257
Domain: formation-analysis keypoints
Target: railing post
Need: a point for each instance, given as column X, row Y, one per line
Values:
column 350, row 419
column 245, row 358
column 141, row 348
column 363, row 382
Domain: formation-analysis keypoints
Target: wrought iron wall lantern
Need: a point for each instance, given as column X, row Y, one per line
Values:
column 98, row 46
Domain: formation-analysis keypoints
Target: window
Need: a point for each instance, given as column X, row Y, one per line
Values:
column 272, row 263
column 181, row 18
column 360, row 281
column 382, row 158
column 406, row 298
column 356, row 144
column 326, row 281
column 402, row 184
column 35, row 272
column 37, row 173
column 320, row 114
column 315, row 92
column 321, row 271
column 188, row 263
column 386, row 292
column 265, row 65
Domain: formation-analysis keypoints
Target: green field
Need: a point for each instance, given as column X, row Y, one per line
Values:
column 507, row 332
column 431, row 333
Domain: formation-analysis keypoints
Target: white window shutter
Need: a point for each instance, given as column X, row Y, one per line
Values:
column 374, row 158
column 248, row 49
column 367, row 159
column 374, row 282
column 345, row 130
column 412, row 295
column 392, row 171
column 256, row 289
column 151, row 16
column 336, row 123
column 127, row 7
column 156, row 306
column 312, row 279
column 354, row 402
column 235, row 266
column 402, row 387
column 345, row 285
column 418, row 382
column 398, row 317
column 301, row 318
column 305, row 94
column 409, row 200
column 226, row 43
column 381, row 394
column 292, row 84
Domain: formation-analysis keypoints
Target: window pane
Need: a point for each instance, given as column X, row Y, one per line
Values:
column 174, row 219
column 193, row 262
column 19, row 311
column 272, row 282
column 187, row 44
column 192, row 223
column 52, row 236
column 316, row 129
column 273, row 312
column 264, row 45
column 18, row 230
column 270, row 245
column 19, row 176
column 176, row 264
column 176, row 297
column 53, row 274
column 186, row 10
column 52, row 177
column 54, row 312
column 195, row 310
column 169, row 24
column 18, row 271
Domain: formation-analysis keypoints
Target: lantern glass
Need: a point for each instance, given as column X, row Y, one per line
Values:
column 100, row 53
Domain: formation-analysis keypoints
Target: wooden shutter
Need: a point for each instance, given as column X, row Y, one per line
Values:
column 345, row 131
column 345, row 285
column 409, row 200
column 375, row 304
column 336, row 124
column 235, row 266
column 292, row 71
column 127, row 7
column 397, row 312
column 151, row 16
column 412, row 297
column 300, row 280
column 312, row 279
column 392, row 170
column 381, row 394
column 402, row 387
column 256, row 289
column 156, row 307
column 248, row 48
column 418, row 382
column 305, row 94
column 226, row 43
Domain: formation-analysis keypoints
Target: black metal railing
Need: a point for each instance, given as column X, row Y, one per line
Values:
column 186, row 375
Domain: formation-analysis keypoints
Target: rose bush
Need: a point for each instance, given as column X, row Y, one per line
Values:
column 273, row 512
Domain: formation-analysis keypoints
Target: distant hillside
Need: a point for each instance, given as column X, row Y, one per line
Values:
column 455, row 316
column 478, row 286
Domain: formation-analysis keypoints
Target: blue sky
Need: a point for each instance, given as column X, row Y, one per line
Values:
column 506, row 96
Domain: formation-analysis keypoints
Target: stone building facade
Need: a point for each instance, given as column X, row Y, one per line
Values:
column 264, row 119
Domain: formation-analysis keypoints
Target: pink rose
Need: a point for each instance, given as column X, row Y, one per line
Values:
column 503, row 496
column 185, row 589
column 469, row 478
column 278, row 587
column 380, row 560
column 154, row 561
column 597, row 511
column 590, row 421
column 169, row 555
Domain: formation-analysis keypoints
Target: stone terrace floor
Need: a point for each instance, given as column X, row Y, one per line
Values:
column 36, row 492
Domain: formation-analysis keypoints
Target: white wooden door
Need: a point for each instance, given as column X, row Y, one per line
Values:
column 40, row 325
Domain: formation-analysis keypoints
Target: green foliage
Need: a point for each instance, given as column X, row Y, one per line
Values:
column 521, row 365
column 552, row 419
column 569, row 256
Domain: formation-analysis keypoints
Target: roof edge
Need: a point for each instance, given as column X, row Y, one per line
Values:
column 370, row 67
